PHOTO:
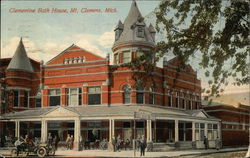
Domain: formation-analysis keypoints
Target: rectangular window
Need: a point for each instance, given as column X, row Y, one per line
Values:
column 79, row 96
column 16, row 98
column 94, row 95
column 191, row 101
column 140, row 32
column 140, row 124
column 139, row 98
column 74, row 96
column 151, row 98
column 209, row 131
column 38, row 102
column 126, row 125
column 126, row 58
column 184, row 103
column 202, row 131
column 169, row 100
column 116, row 58
column 26, row 99
column 54, row 97
column 177, row 99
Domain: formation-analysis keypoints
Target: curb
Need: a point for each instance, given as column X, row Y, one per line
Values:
column 208, row 153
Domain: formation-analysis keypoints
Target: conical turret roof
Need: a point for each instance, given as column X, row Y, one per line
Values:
column 20, row 60
column 128, row 35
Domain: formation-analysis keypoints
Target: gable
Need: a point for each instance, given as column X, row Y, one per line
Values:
column 202, row 114
column 74, row 53
column 175, row 62
column 61, row 112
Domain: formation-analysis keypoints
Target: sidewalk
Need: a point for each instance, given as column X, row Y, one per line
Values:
column 130, row 153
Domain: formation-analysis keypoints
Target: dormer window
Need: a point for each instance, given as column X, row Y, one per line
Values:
column 117, row 34
column 140, row 32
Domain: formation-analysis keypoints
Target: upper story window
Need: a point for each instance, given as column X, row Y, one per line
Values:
column 126, row 94
column 140, row 95
column 151, row 95
column 16, row 98
column 54, row 97
column 73, row 96
column 38, row 100
column 170, row 96
column 26, row 99
column 116, row 58
column 94, row 95
column 74, row 60
column 177, row 99
column 140, row 31
column 126, row 58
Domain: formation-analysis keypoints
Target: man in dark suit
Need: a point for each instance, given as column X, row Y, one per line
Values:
column 143, row 145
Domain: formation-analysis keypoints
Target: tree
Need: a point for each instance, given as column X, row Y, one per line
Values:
column 215, row 31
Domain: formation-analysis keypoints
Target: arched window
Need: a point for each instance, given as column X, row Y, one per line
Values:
column 140, row 95
column 170, row 97
column 151, row 95
column 126, row 94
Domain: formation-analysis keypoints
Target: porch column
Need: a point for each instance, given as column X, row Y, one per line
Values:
column 149, row 131
column 44, row 130
column 219, row 130
column 193, row 131
column 17, row 129
column 113, row 128
column 176, row 135
column 77, row 131
column 205, row 130
column 110, row 130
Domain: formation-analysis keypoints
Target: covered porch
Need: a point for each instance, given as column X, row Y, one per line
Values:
column 158, row 125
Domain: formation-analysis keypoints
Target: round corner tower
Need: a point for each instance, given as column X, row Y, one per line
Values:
column 132, row 35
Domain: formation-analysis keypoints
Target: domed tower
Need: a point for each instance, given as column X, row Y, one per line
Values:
column 132, row 35
column 19, row 77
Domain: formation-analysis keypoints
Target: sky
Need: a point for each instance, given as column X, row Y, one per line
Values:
column 47, row 34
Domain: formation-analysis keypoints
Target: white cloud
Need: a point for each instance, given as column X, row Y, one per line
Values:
column 85, row 44
column 9, row 49
column 46, row 51
column 107, row 39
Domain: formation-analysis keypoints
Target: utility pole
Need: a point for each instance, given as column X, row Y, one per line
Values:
column 248, row 152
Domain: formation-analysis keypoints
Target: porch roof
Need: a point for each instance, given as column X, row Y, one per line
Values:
column 106, row 111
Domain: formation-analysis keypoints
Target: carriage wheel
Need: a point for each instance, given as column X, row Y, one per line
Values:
column 51, row 151
column 41, row 152
column 14, row 152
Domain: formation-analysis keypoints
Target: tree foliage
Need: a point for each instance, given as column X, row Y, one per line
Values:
column 214, row 31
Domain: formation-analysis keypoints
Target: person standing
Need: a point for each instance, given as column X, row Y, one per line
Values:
column 217, row 143
column 50, row 139
column 118, row 143
column 127, row 143
column 56, row 141
column 206, row 142
column 71, row 142
column 114, row 144
column 68, row 142
column 143, row 145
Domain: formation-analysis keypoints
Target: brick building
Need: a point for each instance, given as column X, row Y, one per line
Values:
column 82, row 94
column 234, row 122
